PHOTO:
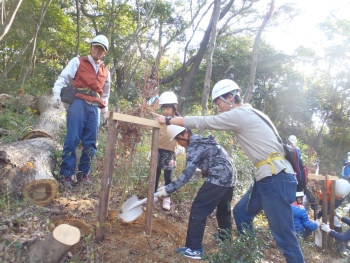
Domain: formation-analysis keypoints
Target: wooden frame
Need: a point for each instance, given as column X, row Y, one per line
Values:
column 325, row 177
column 108, row 168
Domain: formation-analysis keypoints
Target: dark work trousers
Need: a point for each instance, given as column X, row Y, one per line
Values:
column 167, row 177
column 209, row 197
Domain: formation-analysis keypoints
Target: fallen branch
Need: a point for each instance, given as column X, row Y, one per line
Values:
column 26, row 211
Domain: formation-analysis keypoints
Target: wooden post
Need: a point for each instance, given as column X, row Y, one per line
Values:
column 152, row 179
column 324, row 208
column 331, row 208
column 108, row 169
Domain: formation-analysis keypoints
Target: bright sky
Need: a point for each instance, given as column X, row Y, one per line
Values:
column 303, row 29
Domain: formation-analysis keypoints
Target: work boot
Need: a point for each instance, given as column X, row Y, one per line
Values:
column 67, row 182
column 166, row 203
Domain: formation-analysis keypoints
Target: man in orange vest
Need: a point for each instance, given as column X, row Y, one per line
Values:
column 91, row 80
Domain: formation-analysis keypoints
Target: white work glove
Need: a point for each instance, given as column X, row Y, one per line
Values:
column 318, row 222
column 346, row 209
column 104, row 117
column 325, row 228
column 56, row 100
column 162, row 192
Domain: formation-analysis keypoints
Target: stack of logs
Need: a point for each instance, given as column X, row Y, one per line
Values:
column 26, row 166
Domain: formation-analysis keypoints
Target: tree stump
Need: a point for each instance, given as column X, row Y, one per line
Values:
column 55, row 246
column 25, row 167
column 50, row 121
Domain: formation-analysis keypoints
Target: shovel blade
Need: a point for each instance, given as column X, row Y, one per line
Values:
column 131, row 215
column 128, row 214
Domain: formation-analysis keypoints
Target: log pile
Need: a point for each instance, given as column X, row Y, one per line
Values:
column 26, row 166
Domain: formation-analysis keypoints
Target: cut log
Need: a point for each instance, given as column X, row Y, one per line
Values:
column 25, row 167
column 55, row 246
column 50, row 121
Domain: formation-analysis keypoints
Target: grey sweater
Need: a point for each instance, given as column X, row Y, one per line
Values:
column 207, row 155
column 256, row 138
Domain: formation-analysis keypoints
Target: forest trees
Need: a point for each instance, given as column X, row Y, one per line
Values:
column 168, row 41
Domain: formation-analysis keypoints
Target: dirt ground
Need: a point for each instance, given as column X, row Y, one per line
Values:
column 127, row 242
column 124, row 242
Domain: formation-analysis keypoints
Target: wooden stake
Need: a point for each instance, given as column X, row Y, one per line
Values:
column 152, row 179
column 332, row 208
column 108, row 169
column 324, row 208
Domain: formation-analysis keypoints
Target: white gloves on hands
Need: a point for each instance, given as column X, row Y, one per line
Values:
column 56, row 100
column 318, row 222
column 162, row 192
column 346, row 209
column 325, row 228
column 104, row 117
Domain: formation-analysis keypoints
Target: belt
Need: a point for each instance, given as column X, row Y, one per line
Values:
column 87, row 91
column 272, row 157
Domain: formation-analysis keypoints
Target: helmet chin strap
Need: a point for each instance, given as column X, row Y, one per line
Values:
column 234, row 93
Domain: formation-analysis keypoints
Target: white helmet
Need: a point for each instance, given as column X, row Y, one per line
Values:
column 300, row 194
column 100, row 40
column 174, row 130
column 293, row 139
column 167, row 97
column 342, row 187
column 222, row 87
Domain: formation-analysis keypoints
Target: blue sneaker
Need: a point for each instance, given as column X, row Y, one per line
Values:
column 195, row 254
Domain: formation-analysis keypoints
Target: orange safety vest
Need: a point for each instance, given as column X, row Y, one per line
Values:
column 320, row 195
column 86, row 77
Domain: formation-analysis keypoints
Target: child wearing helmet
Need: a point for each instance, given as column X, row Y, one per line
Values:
column 314, row 192
column 166, row 149
column 216, row 192
column 303, row 226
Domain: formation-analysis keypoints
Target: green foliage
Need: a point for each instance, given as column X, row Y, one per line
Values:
column 238, row 249
column 16, row 120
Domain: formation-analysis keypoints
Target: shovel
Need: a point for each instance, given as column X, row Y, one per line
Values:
column 131, row 209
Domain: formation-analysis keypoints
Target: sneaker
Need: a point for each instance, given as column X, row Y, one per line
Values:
column 166, row 203
column 195, row 253
column 67, row 182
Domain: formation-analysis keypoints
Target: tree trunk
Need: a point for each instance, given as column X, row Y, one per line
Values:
column 188, row 79
column 55, row 246
column 7, row 22
column 25, row 167
column 254, row 61
column 35, row 36
column 50, row 121
column 210, row 53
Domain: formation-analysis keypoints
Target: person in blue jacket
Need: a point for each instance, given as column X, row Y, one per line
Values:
column 303, row 226
column 343, row 237
column 346, row 170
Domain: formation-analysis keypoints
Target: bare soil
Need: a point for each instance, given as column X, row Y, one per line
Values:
column 124, row 242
